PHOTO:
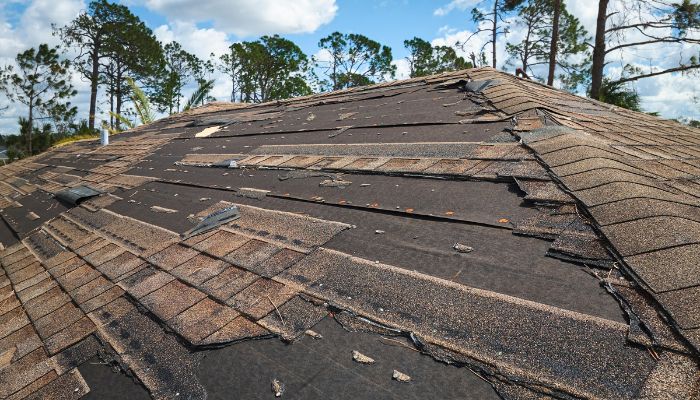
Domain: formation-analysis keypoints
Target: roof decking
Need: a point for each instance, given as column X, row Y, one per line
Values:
column 487, row 221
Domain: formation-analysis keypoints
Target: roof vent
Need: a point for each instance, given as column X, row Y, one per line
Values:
column 75, row 195
column 213, row 220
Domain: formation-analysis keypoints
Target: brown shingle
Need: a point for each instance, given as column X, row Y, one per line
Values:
column 52, row 323
column 202, row 319
column 69, row 335
column 45, row 303
column 172, row 256
column 260, row 298
column 229, row 282
column 119, row 266
column 251, row 253
column 199, row 269
column 23, row 372
column 36, row 289
column 221, row 243
column 172, row 299
column 238, row 329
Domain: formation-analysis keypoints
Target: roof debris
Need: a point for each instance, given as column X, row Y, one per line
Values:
column 213, row 220
column 462, row 248
column 400, row 376
column 361, row 358
column 277, row 388
column 159, row 209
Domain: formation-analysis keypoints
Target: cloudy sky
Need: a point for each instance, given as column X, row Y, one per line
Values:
column 210, row 26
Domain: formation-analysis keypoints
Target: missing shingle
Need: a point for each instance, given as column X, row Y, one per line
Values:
column 302, row 174
column 479, row 86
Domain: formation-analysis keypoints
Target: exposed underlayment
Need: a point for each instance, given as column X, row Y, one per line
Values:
column 469, row 234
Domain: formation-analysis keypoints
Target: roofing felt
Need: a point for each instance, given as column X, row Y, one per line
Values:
column 536, row 243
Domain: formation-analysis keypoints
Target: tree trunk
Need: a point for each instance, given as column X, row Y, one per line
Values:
column 555, row 42
column 30, row 122
column 233, row 88
column 94, row 76
column 118, row 93
column 599, row 50
column 111, row 100
column 494, row 33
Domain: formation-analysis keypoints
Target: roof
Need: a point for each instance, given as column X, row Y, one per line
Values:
column 533, row 242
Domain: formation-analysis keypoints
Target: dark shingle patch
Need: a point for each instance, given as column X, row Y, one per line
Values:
column 373, row 290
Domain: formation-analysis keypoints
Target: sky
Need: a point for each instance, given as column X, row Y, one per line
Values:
column 210, row 26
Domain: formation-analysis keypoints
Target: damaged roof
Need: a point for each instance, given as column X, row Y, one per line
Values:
column 464, row 234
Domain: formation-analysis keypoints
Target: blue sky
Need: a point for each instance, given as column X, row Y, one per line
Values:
column 390, row 22
column 206, row 26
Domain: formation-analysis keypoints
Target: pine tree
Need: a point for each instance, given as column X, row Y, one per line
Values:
column 355, row 60
column 41, row 81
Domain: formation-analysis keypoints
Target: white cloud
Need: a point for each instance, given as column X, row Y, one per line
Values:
column 34, row 28
column 403, row 68
column 198, row 41
column 250, row 17
column 37, row 19
column 460, row 5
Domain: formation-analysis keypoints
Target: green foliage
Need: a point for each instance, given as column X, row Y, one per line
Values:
column 141, row 103
column 177, row 69
column 425, row 59
column 199, row 95
column 111, row 43
column 686, row 15
column 42, row 83
column 142, row 108
column 620, row 95
column 536, row 16
column 269, row 68
column 355, row 60
column 17, row 145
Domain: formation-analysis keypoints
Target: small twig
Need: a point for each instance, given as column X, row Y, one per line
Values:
column 400, row 343
column 479, row 376
column 653, row 353
column 135, row 191
column 278, row 311
column 457, row 274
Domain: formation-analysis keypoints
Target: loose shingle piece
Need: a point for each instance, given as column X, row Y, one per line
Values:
column 548, row 243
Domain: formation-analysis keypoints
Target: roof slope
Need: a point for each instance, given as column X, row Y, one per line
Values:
column 489, row 222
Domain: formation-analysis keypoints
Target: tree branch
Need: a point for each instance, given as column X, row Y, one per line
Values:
column 666, row 71
column 669, row 39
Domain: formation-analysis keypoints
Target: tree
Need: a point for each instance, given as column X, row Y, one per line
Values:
column 426, row 59
column 538, row 19
column 354, row 60
column 87, row 33
column 177, row 69
column 648, row 22
column 230, row 64
column 200, row 95
column 142, row 106
column 41, row 82
column 616, row 93
column 490, row 20
column 554, row 42
column 269, row 68
column 277, row 66
column 130, row 50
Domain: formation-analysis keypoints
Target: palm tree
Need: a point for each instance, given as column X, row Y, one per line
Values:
column 200, row 94
column 142, row 106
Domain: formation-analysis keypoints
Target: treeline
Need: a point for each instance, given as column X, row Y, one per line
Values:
column 120, row 57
